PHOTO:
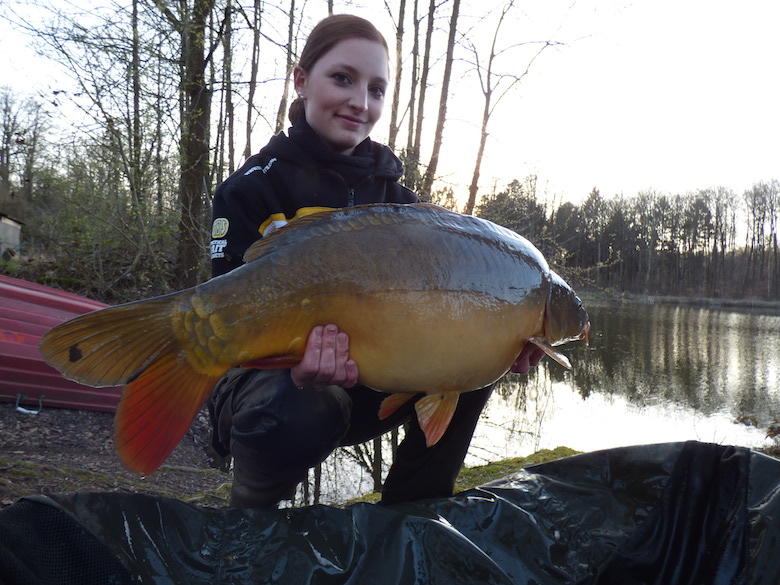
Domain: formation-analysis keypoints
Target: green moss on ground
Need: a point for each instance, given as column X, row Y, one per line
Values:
column 471, row 477
column 22, row 478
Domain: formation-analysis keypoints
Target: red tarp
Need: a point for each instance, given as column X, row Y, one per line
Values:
column 27, row 311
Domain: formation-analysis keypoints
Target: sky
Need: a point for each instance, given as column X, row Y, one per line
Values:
column 670, row 95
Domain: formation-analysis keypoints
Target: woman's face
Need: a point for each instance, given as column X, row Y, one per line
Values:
column 344, row 92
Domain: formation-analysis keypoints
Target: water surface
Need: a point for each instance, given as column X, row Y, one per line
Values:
column 652, row 373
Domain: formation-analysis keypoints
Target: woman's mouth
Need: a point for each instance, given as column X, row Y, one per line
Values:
column 351, row 121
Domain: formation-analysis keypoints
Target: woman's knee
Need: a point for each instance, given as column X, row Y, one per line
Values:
column 282, row 426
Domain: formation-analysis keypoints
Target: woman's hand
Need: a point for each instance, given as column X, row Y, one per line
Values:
column 528, row 358
column 326, row 360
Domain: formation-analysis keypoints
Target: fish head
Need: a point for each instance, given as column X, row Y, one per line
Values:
column 565, row 319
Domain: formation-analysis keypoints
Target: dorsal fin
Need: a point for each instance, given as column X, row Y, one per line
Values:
column 264, row 246
column 260, row 247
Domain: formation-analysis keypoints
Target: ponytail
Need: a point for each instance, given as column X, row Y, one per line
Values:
column 297, row 111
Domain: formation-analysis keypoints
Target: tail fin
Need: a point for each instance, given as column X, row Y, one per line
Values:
column 156, row 410
column 106, row 347
column 135, row 344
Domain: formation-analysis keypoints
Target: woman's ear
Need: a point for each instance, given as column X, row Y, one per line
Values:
column 299, row 80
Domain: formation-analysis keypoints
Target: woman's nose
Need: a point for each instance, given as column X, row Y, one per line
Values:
column 358, row 99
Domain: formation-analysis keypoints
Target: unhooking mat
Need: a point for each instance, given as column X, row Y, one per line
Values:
column 668, row 514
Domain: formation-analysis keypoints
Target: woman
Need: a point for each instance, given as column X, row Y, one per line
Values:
column 279, row 423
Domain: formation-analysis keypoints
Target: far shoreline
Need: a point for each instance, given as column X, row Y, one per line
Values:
column 708, row 302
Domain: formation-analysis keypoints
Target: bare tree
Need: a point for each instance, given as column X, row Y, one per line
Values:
column 227, row 67
column 427, row 180
column 255, row 25
column 424, row 70
column 190, row 24
column 399, row 36
column 493, row 92
column 281, row 114
column 414, row 75
column 21, row 133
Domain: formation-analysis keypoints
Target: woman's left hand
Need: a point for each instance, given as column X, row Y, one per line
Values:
column 325, row 360
column 528, row 358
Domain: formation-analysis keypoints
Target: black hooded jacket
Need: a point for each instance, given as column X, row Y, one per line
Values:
column 293, row 176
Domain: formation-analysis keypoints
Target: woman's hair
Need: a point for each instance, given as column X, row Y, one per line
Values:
column 324, row 37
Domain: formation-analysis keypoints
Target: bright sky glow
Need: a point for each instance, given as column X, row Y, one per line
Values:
column 664, row 94
column 672, row 95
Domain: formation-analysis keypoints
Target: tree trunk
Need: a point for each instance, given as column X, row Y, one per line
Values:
column 430, row 173
column 281, row 114
column 136, row 168
column 415, row 75
column 195, row 143
column 250, row 103
column 159, row 171
column 423, row 85
column 399, row 35
column 376, row 468
column 228, row 77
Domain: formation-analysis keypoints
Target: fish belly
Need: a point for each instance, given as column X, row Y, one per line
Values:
column 429, row 341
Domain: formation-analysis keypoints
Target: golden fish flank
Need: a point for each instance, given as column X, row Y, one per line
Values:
column 202, row 334
column 434, row 302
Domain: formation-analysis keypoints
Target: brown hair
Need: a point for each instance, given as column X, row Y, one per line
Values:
column 323, row 37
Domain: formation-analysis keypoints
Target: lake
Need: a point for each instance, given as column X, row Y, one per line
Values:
column 652, row 373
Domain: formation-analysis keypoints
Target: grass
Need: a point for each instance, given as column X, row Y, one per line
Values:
column 471, row 477
column 21, row 478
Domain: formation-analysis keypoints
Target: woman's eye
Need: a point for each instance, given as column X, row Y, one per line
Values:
column 341, row 77
column 378, row 91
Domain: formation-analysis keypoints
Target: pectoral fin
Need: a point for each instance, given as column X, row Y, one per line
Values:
column 392, row 403
column 434, row 413
column 545, row 346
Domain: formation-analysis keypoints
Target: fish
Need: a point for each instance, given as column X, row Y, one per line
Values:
column 434, row 302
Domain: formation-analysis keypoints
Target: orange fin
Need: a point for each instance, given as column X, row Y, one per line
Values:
column 156, row 410
column 434, row 413
column 274, row 362
column 544, row 345
column 392, row 403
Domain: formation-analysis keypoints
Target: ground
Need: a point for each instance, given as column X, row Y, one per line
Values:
column 59, row 450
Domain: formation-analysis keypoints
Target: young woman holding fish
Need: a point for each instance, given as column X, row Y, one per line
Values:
column 278, row 423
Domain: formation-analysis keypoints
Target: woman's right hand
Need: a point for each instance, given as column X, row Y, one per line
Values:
column 325, row 360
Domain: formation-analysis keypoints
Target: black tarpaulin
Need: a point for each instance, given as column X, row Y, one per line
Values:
column 669, row 514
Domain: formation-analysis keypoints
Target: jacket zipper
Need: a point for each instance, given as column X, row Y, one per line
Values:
column 351, row 191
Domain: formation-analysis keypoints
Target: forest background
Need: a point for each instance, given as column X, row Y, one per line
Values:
column 175, row 95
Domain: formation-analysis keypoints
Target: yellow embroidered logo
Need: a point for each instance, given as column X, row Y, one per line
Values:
column 220, row 227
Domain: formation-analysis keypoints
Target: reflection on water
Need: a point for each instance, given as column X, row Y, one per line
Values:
column 652, row 373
